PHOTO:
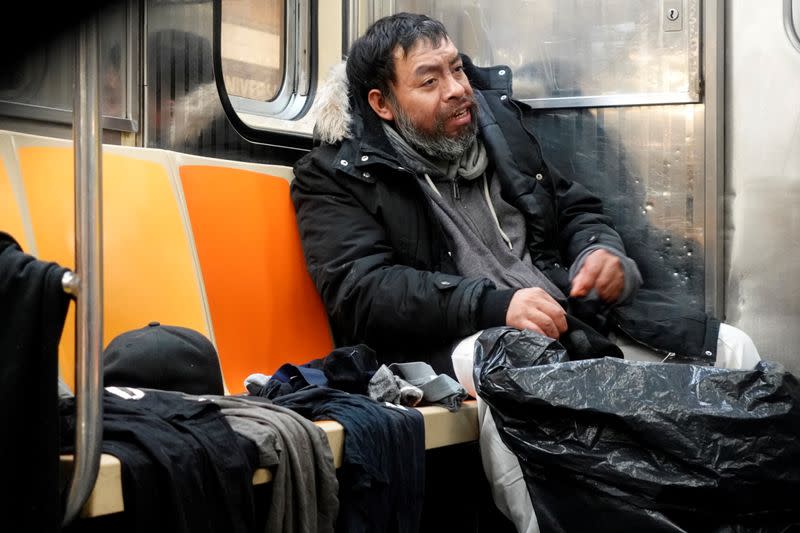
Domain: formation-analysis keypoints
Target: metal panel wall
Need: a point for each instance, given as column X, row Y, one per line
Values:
column 647, row 163
column 582, row 53
column 763, row 180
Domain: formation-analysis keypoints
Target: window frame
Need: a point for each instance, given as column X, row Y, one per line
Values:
column 298, row 88
column 129, row 123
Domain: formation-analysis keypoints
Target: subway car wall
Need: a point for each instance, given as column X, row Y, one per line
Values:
column 695, row 155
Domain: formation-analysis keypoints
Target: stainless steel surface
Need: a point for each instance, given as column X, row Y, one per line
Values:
column 789, row 24
column 672, row 11
column 60, row 116
column 71, row 283
column 714, row 68
column 596, row 53
column 132, row 65
column 303, row 49
column 351, row 25
column 144, row 58
column 647, row 165
column 647, row 162
column 117, row 86
column 380, row 8
column 763, row 180
column 362, row 13
column 89, row 265
column 609, row 100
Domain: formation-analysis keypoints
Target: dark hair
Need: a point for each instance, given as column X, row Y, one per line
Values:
column 370, row 64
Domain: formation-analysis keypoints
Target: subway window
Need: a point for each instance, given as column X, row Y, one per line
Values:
column 252, row 48
column 265, row 60
column 41, row 85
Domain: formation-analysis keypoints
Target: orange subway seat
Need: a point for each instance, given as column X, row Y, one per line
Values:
column 264, row 307
column 148, row 267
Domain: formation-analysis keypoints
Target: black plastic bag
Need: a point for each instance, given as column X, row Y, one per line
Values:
column 614, row 445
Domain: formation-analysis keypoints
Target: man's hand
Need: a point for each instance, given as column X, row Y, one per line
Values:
column 534, row 309
column 601, row 270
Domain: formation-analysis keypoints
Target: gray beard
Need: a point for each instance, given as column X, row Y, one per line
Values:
column 437, row 145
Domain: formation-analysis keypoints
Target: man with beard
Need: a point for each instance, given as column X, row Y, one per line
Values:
column 428, row 214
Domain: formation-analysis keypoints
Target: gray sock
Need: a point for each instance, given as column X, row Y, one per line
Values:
column 409, row 394
column 255, row 383
column 382, row 386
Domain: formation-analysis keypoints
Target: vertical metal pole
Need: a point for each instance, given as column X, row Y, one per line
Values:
column 351, row 10
column 713, row 46
column 89, row 269
column 144, row 111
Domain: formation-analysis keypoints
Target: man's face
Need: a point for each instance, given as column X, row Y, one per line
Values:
column 432, row 102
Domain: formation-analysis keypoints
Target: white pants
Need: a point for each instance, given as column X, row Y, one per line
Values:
column 735, row 349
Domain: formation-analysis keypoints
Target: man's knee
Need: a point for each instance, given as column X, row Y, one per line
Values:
column 735, row 349
column 463, row 360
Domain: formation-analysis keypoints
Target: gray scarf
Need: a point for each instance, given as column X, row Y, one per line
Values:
column 469, row 166
column 474, row 214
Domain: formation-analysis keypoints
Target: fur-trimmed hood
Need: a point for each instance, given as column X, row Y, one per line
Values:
column 332, row 109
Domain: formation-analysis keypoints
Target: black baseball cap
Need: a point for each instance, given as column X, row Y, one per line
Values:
column 165, row 358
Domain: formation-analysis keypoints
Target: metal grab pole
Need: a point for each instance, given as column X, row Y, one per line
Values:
column 87, row 284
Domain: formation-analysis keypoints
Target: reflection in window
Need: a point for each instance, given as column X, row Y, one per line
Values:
column 44, row 78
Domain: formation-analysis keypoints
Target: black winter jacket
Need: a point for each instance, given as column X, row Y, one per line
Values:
column 382, row 263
